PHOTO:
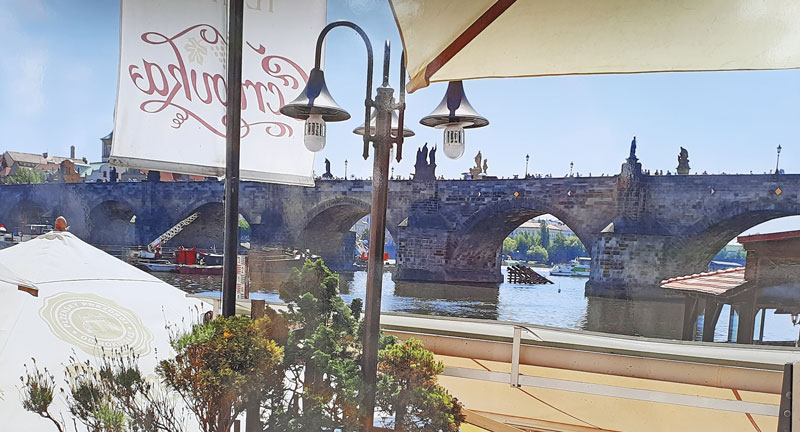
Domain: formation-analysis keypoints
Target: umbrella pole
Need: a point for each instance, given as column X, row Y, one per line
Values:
column 232, row 137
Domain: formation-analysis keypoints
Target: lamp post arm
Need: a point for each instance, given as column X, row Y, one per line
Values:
column 368, row 100
column 401, row 107
column 386, row 57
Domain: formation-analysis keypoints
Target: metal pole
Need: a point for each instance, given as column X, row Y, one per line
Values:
column 377, row 236
column 526, row 165
column 345, row 169
column 778, row 159
column 233, row 116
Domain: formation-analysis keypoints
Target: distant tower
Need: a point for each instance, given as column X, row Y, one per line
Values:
column 106, row 146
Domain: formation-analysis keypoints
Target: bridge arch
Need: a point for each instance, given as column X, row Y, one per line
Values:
column 207, row 231
column 111, row 223
column 706, row 238
column 26, row 211
column 326, row 227
column 477, row 241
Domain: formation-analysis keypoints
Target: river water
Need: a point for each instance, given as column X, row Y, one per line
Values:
column 562, row 304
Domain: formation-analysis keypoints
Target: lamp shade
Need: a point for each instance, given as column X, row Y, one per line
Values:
column 454, row 109
column 315, row 100
column 395, row 120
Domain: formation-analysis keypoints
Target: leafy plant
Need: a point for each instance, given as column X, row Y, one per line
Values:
column 38, row 387
column 221, row 365
column 322, row 354
column 113, row 394
column 408, row 388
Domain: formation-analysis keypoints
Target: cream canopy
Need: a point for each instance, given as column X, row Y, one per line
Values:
column 448, row 40
column 83, row 301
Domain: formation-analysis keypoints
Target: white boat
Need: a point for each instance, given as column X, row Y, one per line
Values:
column 576, row 267
column 157, row 266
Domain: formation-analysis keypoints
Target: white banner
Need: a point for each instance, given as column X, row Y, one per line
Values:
column 171, row 98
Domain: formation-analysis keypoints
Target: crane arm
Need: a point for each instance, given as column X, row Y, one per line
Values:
column 172, row 232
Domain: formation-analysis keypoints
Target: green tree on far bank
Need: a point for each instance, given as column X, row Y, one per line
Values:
column 544, row 234
column 26, row 176
column 509, row 246
column 564, row 249
column 538, row 247
column 538, row 253
column 525, row 241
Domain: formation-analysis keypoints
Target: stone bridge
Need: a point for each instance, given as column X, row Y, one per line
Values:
column 639, row 228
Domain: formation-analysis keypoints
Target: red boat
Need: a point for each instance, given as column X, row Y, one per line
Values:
column 199, row 269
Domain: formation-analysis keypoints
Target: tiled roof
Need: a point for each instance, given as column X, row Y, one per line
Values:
column 38, row 159
column 538, row 225
column 27, row 157
column 716, row 283
column 769, row 237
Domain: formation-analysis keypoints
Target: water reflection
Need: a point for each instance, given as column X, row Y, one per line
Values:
column 562, row 304
column 659, row 319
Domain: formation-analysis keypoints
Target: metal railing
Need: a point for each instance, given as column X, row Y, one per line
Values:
column 788, row 412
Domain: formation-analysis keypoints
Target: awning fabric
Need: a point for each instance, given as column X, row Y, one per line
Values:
column 86, row 301
column 448, row 40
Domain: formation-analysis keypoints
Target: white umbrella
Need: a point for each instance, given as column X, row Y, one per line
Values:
column 450, row 40
column 86, row 300
column 9, row 277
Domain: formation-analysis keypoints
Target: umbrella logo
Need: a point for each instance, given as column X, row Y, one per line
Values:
column 91, row 322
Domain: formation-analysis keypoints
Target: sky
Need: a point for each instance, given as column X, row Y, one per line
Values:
column 58, row 88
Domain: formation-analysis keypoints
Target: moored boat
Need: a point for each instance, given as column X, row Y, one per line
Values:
column 164, row 266
column 577, row 267
column 199, row 269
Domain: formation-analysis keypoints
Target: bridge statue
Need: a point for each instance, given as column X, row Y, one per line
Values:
column 424, row 170
column 683, row 162
column 327, row 169
column 632, row 157
column 476, row 171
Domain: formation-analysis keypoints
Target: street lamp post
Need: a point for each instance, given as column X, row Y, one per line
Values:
column 778, row 160
column 315, row 105
column 392, row 177
column 345, row 169
column 571, row 164
column 384, row 128
column 527, row 156
column 232, row 157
